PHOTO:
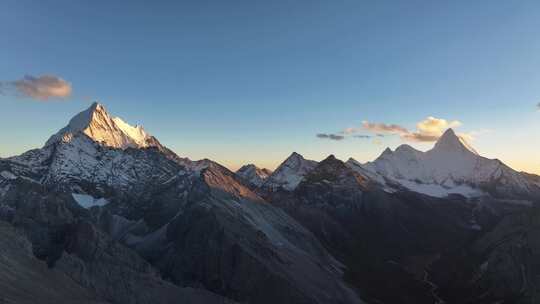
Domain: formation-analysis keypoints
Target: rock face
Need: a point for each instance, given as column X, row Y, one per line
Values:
column 228, row 240
column 501, row 265
column 195, row 223
column 104, row 213
column 25, row 279
column 96, row 267
column 97, row 262
column 253, row 175
column 380, row 235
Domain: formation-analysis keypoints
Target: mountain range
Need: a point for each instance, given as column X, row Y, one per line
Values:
column 104, row 213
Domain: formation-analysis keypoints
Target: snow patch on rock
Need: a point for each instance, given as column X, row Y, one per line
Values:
column 437, row 190
column 88, row 201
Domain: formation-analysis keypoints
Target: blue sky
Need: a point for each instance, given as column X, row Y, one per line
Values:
column 252, row 81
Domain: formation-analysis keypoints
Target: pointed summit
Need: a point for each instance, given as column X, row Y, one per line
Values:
column 96, row 123
column 289, row 174
column 448, row 136
column 386, row 153
column 330, row 157
column 450, row 142
column 97, row 106
column 295, row 155
column 294, row 160
column 331, row 163
column 328, row 169
column 334, row 170
column 253, row 174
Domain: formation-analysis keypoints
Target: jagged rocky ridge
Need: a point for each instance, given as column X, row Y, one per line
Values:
column 195, row 222
column 410, row 216
column 253, row 175
column 289, row 174
column 107, row 207
column 451, row 167
column 399, row 246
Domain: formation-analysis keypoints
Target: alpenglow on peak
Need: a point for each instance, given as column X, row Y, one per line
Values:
column 96, row 123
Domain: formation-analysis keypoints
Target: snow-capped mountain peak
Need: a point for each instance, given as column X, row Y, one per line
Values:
column 290, row 173
column 96, row 123
column 450, row 142
column 386, row 153
column 452, row 166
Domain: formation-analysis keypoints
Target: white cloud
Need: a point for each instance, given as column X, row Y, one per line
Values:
column 435, row 126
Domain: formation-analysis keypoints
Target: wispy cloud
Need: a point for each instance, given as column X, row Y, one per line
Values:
column 350, row 130
column 538, row 106
column 384, row 128
column 362, row 136
column 330, row 136
column 42, row 88
column 428, row 130
column 344, row 134
column 419, row 137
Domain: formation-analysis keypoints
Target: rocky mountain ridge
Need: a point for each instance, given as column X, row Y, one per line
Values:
column 253, row 175
column 104, row 204
column 194, row 223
